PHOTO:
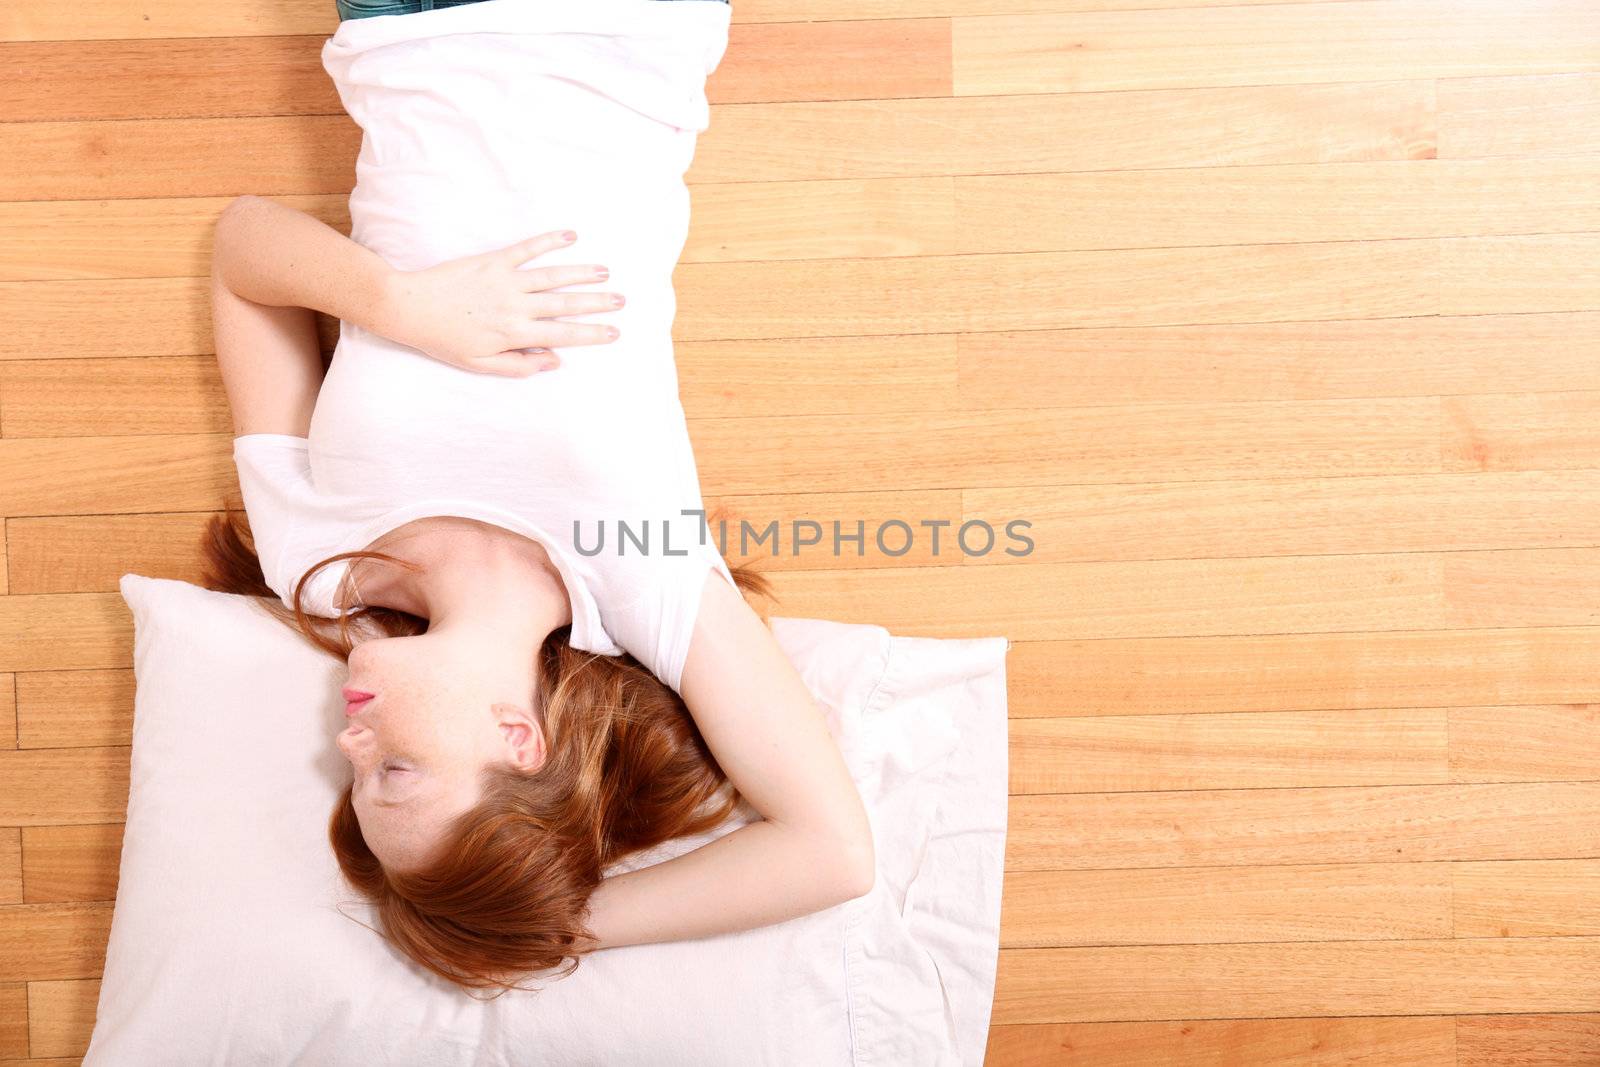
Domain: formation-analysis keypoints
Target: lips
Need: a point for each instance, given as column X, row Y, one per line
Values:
column 354, row 699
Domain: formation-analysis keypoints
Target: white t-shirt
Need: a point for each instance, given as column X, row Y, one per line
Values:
column 482, row 125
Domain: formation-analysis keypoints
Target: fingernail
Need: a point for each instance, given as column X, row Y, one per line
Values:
column 569, row 236
column 613, row 333
column 616, row 301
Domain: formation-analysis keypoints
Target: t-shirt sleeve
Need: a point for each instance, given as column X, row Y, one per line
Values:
column 657, row 627
column 275, row 482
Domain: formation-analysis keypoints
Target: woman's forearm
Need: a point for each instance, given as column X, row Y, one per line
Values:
column 759, row 874
column 272, row 254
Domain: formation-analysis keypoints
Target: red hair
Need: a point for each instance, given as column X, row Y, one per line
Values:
column 626, row 769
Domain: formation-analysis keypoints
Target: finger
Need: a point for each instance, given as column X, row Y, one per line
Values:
column 519, row 253
column 549, row 333
column 519, row 363
column 556, row 305
column 537, row 279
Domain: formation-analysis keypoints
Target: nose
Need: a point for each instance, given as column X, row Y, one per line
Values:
column 352, row 740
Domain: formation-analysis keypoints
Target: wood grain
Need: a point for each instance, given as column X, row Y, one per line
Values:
column 10, row 865
column 68, row 863
column 1413, row 1041
column 1374, row 902
column 1428, row 977
column 41, row 942
column 1358, row 824
column 80, row 708
column 48, row 786
column 1528, row 1040
column 13, row 1019
column 61, row 1016
column 1099, row 51
column 8, row 707
column 1253, row 750
column 1303, row 672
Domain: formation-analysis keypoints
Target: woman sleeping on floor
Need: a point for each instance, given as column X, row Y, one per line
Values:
column 489, row 505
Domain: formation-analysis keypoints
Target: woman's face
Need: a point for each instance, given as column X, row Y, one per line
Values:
column 444, row 707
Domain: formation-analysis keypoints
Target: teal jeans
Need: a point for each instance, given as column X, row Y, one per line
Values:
column 361, row 9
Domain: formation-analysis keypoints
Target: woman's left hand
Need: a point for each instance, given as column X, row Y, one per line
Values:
column 482, row 313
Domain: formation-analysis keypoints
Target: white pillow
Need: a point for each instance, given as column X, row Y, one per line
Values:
column 235, row 940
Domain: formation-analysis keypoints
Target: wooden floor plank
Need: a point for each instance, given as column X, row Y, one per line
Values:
column 1290, row 202
column 45, row 20
column 1101, row 51
column 1303, row 672
column 71, row 863
column 10, row 865
column 49, row 786
column 1322, row 360
column 75, row 554
column 1225, row 904
column 85, row 708
column 1531, row 899
column 178, row 157
column 41, row 942
column 1292, row 516
column 64, row 631
column 1541, row 743
column 1528, row 1040
column 92, row 397
column 1263, row 827
column 1518, row 116
column 171, row 78
column 117, row 475
column 1057, row 132
column 61, row 1016
column 1534, row 272
column 1250, row 750
column 9, row 727
column 1050, row 290
column 1146, row 443
column 13, row 1020
column 1414, row 1042
column 1344, row 978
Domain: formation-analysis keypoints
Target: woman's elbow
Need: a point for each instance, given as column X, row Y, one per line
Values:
column 232, row 223
column 861, row 867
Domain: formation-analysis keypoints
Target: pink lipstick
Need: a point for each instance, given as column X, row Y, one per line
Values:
column 354, row 699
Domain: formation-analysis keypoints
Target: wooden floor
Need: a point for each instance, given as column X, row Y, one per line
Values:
column 1280, row 323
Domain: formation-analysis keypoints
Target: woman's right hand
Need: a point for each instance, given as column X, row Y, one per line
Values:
column 482, row 313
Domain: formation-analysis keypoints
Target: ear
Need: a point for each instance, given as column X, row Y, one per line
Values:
column 523, row 737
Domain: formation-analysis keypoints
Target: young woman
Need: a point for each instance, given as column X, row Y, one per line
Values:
column 550, row 666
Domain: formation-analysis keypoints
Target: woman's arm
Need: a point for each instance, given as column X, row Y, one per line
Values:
column 813, row 849
column 477, row 312
column 270, row 266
